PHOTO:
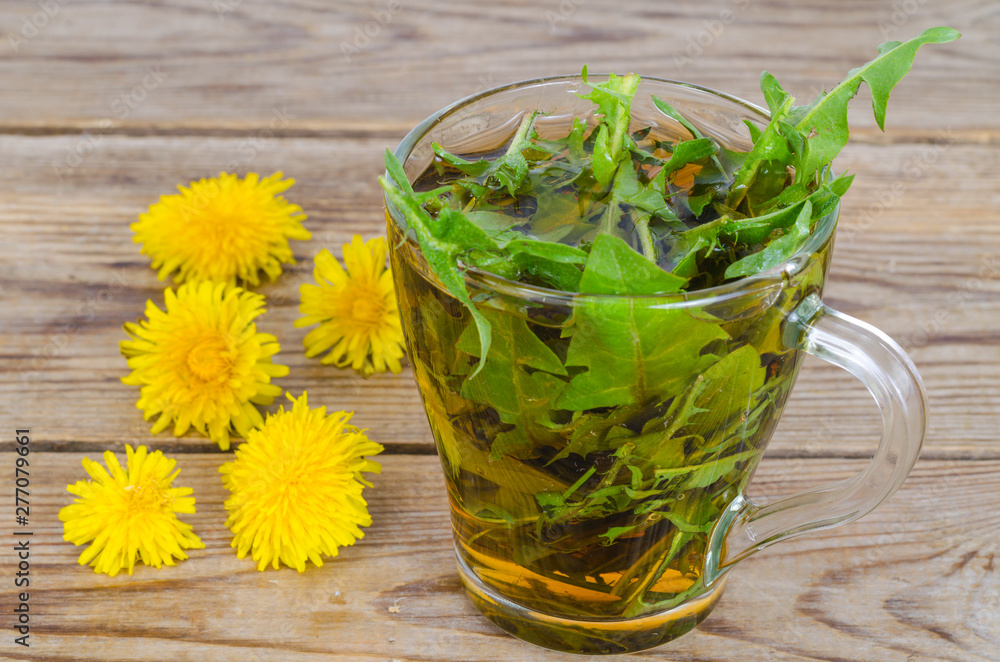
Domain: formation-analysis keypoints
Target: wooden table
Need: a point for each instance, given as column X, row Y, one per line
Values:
column 106, row 106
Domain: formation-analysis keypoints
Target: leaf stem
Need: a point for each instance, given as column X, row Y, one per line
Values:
column 630, row 83
column 575, row 486
column 645, row 238
column 517, row 143
column 657, row 556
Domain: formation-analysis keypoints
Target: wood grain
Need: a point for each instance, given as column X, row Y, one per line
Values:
column 231, row 70
column 925, row 268
column 111, row 104
column 913, row 581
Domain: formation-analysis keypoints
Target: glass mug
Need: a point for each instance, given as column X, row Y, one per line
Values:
column 610, row 528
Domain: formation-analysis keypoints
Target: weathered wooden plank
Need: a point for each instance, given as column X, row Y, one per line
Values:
column 926, row 269
column 936, row 192
column 310, row 67
column 111, row 104
column 913, row 581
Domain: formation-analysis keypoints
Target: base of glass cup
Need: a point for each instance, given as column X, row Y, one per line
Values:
column 593, row 636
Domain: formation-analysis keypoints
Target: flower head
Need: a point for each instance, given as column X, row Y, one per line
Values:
column 222, row 229
column 202, row 363
column 355, row 308
column 296, row 487
column 129, row 513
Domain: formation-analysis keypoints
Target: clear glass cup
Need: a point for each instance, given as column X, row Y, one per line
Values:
column 606, row 523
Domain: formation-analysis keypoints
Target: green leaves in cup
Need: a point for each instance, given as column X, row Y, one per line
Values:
column 560, row 212
column 594, row 431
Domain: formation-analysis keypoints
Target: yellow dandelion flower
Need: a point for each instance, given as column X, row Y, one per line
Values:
column 221, row 229
column 355, row 308
column 201, row 363
column 296, row 487
column 130, row 513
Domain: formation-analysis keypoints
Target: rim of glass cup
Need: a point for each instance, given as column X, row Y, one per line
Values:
column 774, row 277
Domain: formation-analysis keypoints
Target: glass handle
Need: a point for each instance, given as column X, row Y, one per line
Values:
column 892, row 379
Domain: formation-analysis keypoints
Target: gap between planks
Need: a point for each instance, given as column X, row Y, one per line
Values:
column 199, row 447
column 360, row 130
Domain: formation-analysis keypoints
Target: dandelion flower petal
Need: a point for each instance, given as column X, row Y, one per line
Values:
column 201, row 362
column 222, row 229
column 296, row 487
column 129, row 514
column 355, row 307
